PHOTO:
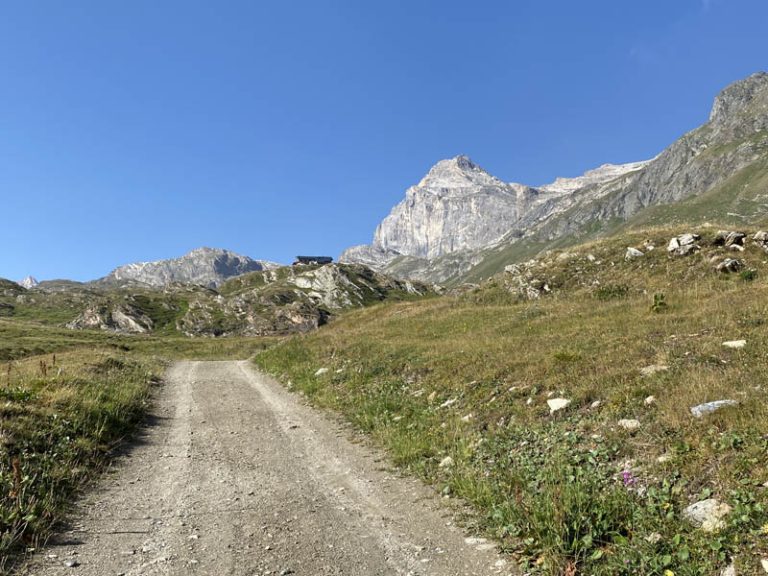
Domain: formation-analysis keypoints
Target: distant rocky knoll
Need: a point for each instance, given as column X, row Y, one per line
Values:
column 204, row 266
column 277, row 301
column 459, row 222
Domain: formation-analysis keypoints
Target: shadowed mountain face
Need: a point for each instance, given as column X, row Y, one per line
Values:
column 460, row 222
column 205, row 266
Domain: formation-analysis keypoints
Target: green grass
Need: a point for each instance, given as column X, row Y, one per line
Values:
column 61, row 417
column 468, row 377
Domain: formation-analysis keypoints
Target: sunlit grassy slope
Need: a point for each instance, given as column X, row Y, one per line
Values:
column 572, row 492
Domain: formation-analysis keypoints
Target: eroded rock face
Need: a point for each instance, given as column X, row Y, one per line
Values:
column 205, row 266
column 122, row 318
column 457, row 206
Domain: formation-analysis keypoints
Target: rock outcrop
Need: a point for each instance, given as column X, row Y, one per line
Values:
column 276, row 301
column 29, row 282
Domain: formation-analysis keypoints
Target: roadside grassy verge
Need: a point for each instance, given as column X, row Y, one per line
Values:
column 61, row 417
column 457, row 390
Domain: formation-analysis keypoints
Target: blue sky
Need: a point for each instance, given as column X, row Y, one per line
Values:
column 141, row 130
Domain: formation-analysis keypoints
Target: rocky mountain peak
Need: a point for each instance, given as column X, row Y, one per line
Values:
column 205, row 266
column 747, row 95
column 455, row 174
column 29, row 282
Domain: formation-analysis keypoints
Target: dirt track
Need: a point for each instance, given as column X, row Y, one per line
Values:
column 234, row 476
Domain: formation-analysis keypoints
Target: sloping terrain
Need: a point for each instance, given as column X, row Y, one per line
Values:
column 716, row 172
column 568, row 400
column 278, row 301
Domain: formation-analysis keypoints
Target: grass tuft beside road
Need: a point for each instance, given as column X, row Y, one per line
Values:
column 61, row 416
column 457, row 388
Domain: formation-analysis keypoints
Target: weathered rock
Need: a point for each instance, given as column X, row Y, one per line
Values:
column 29, row 282
column 728, row 238
column 446, row 462
column 729, row 265
column 729, row 570
column 649, row 400
column 633, row 253
column 629, row 424
column 764, row 564
column 556, row 404
column 709, row 407
column 707, row 514
column 684, row 244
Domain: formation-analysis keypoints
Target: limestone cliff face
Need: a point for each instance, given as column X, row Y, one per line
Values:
column 441, row 228
column 205, row 266
column 448, row 211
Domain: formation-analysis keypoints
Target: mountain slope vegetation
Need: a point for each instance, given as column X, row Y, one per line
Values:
column 468, row 390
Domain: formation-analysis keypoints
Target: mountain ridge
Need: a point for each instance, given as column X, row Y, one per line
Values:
column 441, row 236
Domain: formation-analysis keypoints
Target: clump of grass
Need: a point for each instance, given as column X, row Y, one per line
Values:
column 61, row 416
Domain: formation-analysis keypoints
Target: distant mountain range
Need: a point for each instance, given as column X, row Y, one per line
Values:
column 204, row 266
column 461, row 223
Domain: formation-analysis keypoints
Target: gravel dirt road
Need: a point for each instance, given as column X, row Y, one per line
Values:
column 235, row 476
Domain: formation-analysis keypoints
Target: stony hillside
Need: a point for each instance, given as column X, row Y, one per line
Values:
column 602, row 408
column 460, row 223
column 277, row 301
column 204, row 266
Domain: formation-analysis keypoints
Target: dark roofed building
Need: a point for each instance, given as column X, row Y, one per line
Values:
column 313, row 260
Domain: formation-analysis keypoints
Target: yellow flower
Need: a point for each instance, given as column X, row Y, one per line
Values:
column 764, row 529
column 668, row 573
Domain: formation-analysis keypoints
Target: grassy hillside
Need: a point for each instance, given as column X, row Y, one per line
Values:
column 457, row 388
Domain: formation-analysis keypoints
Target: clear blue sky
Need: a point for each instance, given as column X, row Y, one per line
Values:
column 141, row 130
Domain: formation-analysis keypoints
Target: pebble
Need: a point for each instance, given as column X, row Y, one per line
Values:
column 653, row 537
column 707, row 514
column 729, row 570
column 650, row 400
column 71, row 563
column 321, row 371
column 736, row 344
column 764, row 564
column 556, row 404
column 629, row 424
column 596, row 404
column 446, row 462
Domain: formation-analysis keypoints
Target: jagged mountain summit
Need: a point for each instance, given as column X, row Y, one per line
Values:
column 204, row 266
column 29, row 282
column 447, row 211
column 461, row 223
